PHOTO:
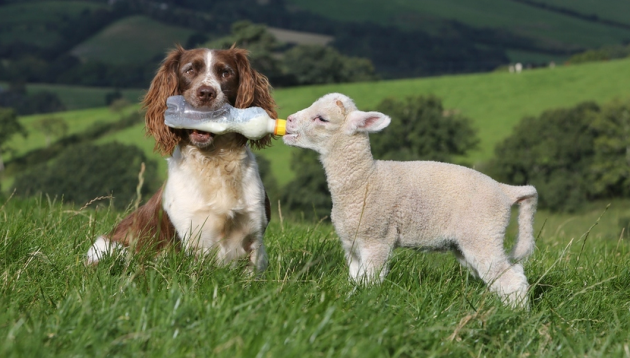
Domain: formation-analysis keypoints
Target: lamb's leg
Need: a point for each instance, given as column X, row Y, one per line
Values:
column 494, row 268
column 462, row 260
column 354, row 261
column 374, row 258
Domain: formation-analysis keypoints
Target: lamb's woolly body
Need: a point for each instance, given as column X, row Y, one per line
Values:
column 380, row 205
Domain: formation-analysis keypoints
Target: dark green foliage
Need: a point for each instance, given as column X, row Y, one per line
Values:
column 301, row 65
column 40, row 102
column 570, row 155
column 315, row 64
column 602, row 54
column 421, row 129
column 84, row 172
column 112, row 96
column 260, row 43
column 9, row 126
column 308, row 192
column 611, row 167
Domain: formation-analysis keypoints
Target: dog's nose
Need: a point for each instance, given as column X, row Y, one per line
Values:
column 206, row 93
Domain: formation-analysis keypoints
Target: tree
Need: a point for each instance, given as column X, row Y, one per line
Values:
column 554, row 152
column 84, row 172
column 611, row 165
column 260, row 43
column 52, row 127
column 422, row 129
column 315, row 64
column 308, row 192
column 9, row 126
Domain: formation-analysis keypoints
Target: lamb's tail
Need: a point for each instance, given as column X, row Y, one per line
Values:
column 527, row 198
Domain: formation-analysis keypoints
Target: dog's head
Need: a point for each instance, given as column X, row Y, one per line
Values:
column 207, row 79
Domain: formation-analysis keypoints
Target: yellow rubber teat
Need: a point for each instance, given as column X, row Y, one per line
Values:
column 281, row 127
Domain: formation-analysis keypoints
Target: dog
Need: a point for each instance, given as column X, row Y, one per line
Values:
column 213, row 201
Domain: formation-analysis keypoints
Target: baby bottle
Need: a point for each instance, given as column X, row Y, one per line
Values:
column 253, row 122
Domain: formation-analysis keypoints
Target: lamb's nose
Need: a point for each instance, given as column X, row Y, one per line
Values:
column 290, row 118
column 205, row 93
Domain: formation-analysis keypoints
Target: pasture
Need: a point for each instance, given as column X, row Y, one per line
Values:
column 303, row 305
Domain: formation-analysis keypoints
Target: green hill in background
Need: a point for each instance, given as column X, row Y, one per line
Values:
column 550, row 29
column 495, row 102
column 134, row 39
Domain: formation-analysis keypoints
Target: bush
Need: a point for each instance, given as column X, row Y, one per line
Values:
column 570, row 155
column 422, row 129
column 84, row 172
column 315, row 64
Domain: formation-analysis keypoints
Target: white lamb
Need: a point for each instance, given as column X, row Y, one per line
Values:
column 380, row 205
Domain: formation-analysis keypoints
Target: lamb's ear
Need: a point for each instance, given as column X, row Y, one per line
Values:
column 359, row 121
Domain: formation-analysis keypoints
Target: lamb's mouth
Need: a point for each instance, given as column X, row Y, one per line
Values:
column 290, row 137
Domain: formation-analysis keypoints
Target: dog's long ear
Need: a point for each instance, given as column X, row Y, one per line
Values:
column 164, row 84
column 254, row 91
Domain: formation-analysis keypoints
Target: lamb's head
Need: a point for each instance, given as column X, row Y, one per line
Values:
column 331, row 119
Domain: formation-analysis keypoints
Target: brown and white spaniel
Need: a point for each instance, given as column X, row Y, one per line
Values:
column 213, row 201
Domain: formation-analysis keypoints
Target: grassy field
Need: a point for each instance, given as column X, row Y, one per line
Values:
column 134, row 39
column 494, row 101
column 498, row 14
column 302, row 305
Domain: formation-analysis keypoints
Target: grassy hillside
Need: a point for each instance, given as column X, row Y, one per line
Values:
column 495, row 102
column 135, row 39
column 301, row 306
column 31, row 22
column 616, row 10
column 545, row 26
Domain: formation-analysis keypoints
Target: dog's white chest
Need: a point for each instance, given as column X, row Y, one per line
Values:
column 209, row 203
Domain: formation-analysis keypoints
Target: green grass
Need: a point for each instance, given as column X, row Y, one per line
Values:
column 522, row 19
column 31, row 22
column 301, row 306
column 134, row 39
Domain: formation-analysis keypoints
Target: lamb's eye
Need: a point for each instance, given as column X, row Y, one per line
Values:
column 320, row 118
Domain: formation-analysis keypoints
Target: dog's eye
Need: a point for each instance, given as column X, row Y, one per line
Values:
column 321, row 119
column 225, row 74
column 189, row 71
